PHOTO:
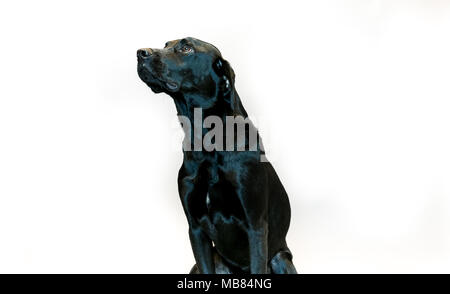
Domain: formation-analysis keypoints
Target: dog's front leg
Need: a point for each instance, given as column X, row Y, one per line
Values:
column 192, row 191
column 257, row 239
column 202, row 249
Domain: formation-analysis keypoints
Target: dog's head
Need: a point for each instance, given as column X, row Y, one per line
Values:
column 186, row 66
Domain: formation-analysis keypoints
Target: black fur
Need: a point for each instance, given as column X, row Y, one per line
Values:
column 237, row 209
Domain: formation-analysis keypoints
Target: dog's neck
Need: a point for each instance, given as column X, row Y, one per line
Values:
column 219, row 105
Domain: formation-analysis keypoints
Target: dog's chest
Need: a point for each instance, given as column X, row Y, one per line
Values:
column 223, row 211
column 218, row 208
column 208, row 202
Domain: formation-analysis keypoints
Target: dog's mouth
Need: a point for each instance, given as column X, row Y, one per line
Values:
column 158, row 83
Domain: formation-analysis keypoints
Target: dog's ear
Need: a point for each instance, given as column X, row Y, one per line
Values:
column 223, row 69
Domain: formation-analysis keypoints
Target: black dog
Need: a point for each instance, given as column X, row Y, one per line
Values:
column 237, row 209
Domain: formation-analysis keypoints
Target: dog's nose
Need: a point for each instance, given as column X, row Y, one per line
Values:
column 144, row 53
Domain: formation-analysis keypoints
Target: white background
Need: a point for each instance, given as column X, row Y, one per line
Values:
column 351, row 97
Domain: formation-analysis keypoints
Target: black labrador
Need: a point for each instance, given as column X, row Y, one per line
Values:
column 237, row 209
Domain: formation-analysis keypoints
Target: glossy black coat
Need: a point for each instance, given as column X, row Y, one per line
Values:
column 237, row 209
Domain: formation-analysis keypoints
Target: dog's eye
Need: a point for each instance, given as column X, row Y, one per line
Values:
column 187, row 49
